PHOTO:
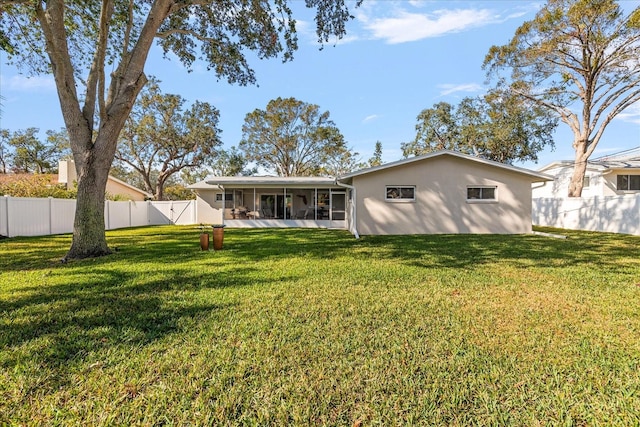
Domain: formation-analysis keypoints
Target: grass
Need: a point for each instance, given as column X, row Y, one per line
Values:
column 313, row 327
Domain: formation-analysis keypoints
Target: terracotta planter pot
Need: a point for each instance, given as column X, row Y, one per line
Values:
column 218, row 238
column 204, row 241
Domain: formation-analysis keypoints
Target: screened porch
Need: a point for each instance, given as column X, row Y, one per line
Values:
column 284, row 207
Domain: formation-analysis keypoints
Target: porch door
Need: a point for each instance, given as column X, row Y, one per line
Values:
column 272, row 206
column 267, row 206
column 338, row 206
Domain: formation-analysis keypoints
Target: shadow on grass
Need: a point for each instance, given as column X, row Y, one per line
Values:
column 170, row 244
column 472, row 251
column 109, row 303
column 107, row 310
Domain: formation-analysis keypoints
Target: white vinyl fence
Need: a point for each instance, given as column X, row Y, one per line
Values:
column 26, row 216
column 615, row 214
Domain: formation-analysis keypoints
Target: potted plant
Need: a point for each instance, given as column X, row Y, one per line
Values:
column 218, row 236
column 204, row 238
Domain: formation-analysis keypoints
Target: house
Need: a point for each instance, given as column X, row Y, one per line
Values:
column 440, row 192
column 611, row 175
column 115, row 187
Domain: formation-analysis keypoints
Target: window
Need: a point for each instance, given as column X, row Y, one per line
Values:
column 227, row 197
column 400, row 194
column 586, row 183
column 629, row 182
column 476, row 194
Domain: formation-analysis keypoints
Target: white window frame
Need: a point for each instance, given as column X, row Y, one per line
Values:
column 628, row 189
column 482, row 187
column 400, row 199
column 227, row 196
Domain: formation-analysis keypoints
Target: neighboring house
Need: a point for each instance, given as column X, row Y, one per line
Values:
column 440, row 192
column 115, row 187
column 611, row 175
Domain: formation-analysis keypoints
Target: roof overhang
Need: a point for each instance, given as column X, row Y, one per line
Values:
column 535, row 176
column 595, row 165
column 220, row 182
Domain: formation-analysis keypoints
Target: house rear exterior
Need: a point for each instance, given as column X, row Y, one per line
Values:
column 441, row 192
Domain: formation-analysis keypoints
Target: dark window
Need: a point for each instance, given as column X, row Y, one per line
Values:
column 481, row 193
column 629, row 182
column 397, row 193
column 227, row 196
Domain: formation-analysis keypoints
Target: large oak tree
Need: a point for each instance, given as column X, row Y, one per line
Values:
column 29, row 153
column 97, row 51
column 292, row 138
column 497, row 126
column 160, row 138
column 579, row 59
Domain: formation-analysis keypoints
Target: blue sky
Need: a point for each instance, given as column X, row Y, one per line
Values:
column 398, row 58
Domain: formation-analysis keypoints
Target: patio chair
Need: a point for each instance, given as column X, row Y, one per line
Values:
column 310, row 214
column 301, row 214
column 267, row 213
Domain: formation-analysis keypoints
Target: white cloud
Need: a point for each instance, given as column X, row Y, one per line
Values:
column 631, row 114
column 405, row 26
column 370, row 118
column 306, row 31
column 28, row 84
column 417, row 3
column 448, row 89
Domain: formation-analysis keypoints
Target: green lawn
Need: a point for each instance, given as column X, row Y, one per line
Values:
column 303, row 327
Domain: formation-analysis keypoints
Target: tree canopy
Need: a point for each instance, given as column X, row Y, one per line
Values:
column 580, row 59
column 97, row 51
column 376, row 159
column 231, row 162
column 23, row 151
column 161, row 138
column 498, row 127
column 291, row 138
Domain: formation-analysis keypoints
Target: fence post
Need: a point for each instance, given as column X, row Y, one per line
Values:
column 106, row 208
column 130, row 213
column 637, row 227
column 6, row 216
column 50, row 215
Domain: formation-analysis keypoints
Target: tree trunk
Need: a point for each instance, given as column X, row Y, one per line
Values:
column 577, row 179
column 579, row 169
column 89, row 239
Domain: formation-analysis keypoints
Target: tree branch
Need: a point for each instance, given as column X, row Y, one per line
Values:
column 95, row 80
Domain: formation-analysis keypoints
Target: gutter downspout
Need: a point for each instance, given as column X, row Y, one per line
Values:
column 354, row 205
column 533, row 187
column 224, row 200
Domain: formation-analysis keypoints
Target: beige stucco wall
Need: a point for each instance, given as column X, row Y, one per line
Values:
column 116, row 189
column 67, row 175
column 441, row 199
column 208, row 211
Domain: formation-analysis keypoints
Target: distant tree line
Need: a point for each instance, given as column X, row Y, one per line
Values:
column 23, row 151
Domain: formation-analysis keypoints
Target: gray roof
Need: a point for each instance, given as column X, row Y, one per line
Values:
column 538, row 176
column 264, row 181
column 311, row 181
column 627, row 155
column 628, row 159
